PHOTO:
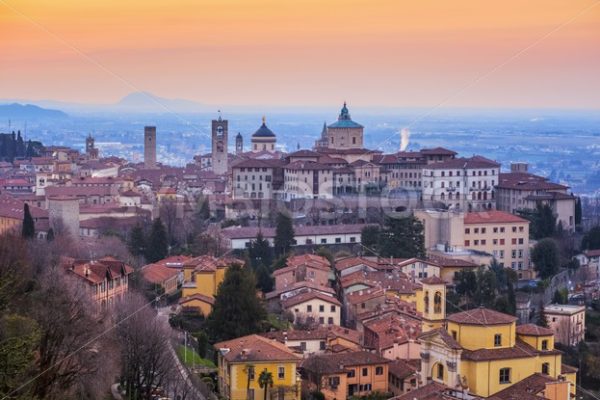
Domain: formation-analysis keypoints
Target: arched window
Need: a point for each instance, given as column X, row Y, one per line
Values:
column 437, row 303
column 426, row 301
column 440, row 371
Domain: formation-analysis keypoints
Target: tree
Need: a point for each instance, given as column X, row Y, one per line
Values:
column 19, row 337
column 137, row 241
column 578, row 211
column 237, row 310
column 265, row 381
column 202, row 339
column 485, row 294
column 146, row 359
column 206, row 244
column 28, row 230
column 402, row 238
column 465, row 282
column 369, row 237
column 543, row 221
column 542, row 319
column 561, row 296
column 158, row 243
column 50, row 235
column 260, row 252
column 591, row 240
column 264, row 280
column 284, row 234
column 546, row 258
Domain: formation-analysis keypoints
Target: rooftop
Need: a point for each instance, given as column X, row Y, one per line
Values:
column 492, row 217
column 255, row 348
column 481, row 316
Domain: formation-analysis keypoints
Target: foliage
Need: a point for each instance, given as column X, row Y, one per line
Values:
column 28, row 228
column 400, row 237
column 50, row 235
column 237, row 310
column 542, row 318
column 137, row 241
column 369, row 237
column 561, row 296
column 284, row 234
column 578, row 211
column 325, row 253
column 591, row 240
column 190, row 358
column 265, row 381
column 542, row 219
column 264, row 280
column 202, row 340
column 158, row 243
column 545, row 256
column 260, row 252
column 19, row 339
column 206, row 244
column 280, row 262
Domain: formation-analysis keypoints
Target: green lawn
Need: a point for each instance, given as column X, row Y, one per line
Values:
column 191, row 358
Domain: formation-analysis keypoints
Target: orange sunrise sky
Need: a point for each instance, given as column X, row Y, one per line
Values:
column 305, row 52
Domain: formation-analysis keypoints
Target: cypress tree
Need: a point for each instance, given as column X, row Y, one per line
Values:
column 284, row 234
column 237, row 310
column 28, row 230
column 158, row 243
column 137, row 241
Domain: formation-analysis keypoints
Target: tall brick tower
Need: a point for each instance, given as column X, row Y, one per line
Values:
column 150, row 147
column 219, row 145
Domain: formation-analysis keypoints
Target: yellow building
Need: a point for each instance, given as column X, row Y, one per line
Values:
column 202, row 276
column 430, row 301
column 241, row 362
column 483, row 352
column 503, row 235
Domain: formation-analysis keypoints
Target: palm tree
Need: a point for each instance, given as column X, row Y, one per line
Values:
column 265, row 380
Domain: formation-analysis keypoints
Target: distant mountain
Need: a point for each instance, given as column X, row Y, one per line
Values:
column 18, row 111
column 147, row 102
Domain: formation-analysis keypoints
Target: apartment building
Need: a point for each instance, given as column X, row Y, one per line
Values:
column 308, row 179
column 256, row 179
column 461, row 183
column 501, row 234
column 567, row 321
column 520, row 190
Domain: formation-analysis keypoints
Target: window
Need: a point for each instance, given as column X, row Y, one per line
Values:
column 365, row 372
column 497, row 340
column 440, row 371
column 251, row 373
column 351, row 373
column 334, row 381
column 378, row 370
column 352, row 239
column 322, row 345
column 323, row 241
column 309, row 308
column 332, row 309
column 545, row 344
column 303, row 346
column 330, row 320
column 281, row 372
column 338, row 240
column 321, row 308
column 482, row 230
column 546, row 368
column 454, row 335
column 321, row 320
column 504, row 375
column 467, row 243
column 467, row 231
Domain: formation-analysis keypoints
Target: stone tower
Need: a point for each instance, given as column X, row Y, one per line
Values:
column 90, row 147
column 150, row 147
column 219, row 146
column 239, row 144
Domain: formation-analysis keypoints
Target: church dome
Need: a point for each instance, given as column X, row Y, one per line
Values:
column 263, row 131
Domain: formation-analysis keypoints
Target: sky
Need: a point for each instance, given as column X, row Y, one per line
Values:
column 389, row 53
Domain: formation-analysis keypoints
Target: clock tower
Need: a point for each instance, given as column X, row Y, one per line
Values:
column 219, row 145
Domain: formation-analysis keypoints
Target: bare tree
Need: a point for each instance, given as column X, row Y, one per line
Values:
column 147, row 361
column 76, row 352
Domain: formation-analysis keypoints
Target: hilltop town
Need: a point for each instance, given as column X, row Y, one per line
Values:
column 333, row 272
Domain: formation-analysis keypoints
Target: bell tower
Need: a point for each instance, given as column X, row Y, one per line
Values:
column 219, row 145
column 239, row 144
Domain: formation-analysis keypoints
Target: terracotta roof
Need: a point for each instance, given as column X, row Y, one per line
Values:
column 401, row 369
column 444, row 335
column 364, row 295
column 393, row 328
column 519, row 350
column 320, row 333
column 526, row 389
column 481, row 316
column 158, row 273
column 533, row 330
column 350, row 262
column 197, row 296
column 526, row 181
column 492, row 217
column 296, row 286
column 96, row 271
column 255, row 348
column 433, row 280
column 475, row 162
column 438, row 151
column 568, row 369
column 210, row 263
column 431, row 391
column 592, row 253
column 307, row 296
column 451, row 262
column 303, row 230
column 338, row 363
